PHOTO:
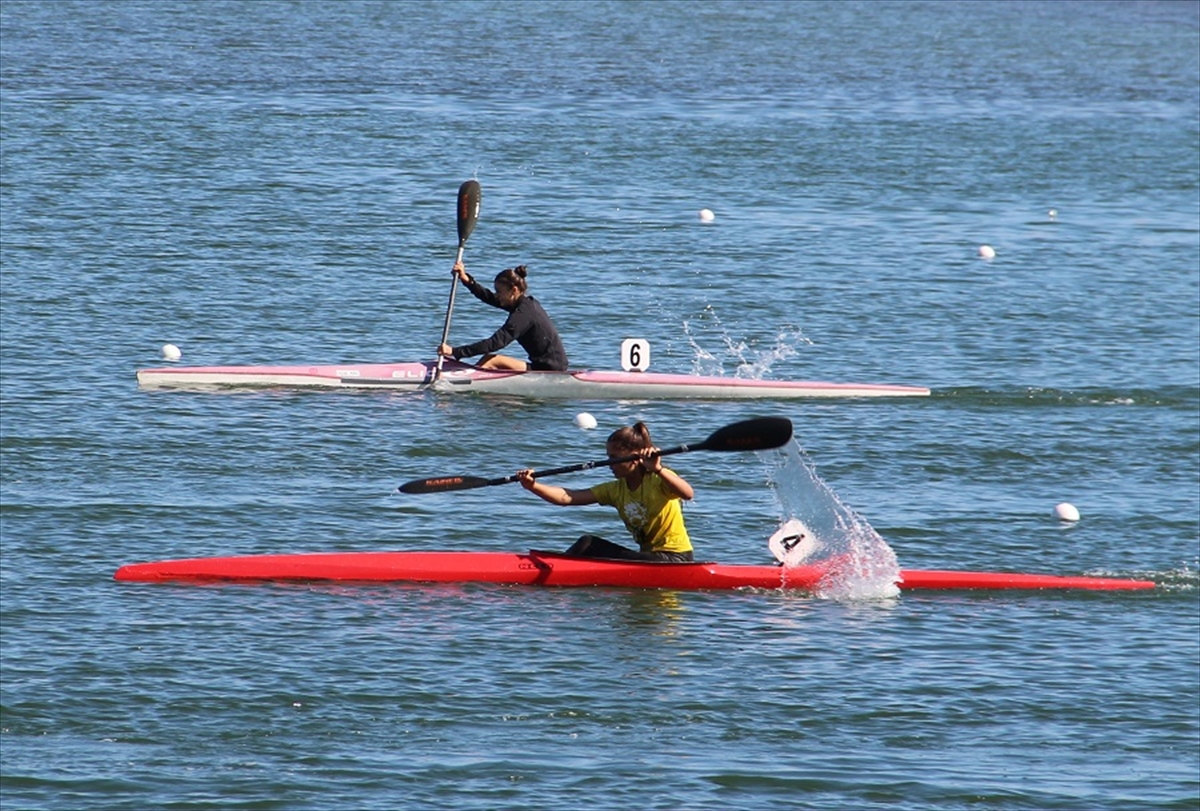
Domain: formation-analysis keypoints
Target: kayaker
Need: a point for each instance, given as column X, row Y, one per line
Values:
column 527, row 324
column 646, row 494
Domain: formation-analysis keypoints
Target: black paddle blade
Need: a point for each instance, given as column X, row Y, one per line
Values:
column 469, row 195
column 444, row 484
column 759, row 434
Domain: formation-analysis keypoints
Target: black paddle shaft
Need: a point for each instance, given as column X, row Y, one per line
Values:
column 469, row 195
column 759, row 434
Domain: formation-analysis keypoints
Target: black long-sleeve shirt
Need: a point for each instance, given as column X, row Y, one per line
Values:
column 527, row 324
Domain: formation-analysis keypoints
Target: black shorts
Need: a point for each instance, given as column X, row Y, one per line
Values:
column 593, row 546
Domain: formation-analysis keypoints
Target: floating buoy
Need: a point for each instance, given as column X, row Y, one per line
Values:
column 706, row 215
column 987, row 251
column 1052, row 214
column 585, row 421
column 171, row 352
column 1066, row 512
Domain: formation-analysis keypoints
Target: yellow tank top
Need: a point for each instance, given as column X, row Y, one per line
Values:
column 652, row 514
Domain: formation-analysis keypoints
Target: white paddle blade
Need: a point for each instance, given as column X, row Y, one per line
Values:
column 793, row 543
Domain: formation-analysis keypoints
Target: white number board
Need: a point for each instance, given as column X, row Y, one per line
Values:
column 635, row 355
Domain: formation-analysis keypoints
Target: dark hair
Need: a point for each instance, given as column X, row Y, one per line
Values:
column 631, row 437
column 513, row 278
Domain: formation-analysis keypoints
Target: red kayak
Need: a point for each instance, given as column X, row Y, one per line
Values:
column 538, row 568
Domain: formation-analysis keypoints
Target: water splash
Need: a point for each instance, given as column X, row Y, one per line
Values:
column 818, row 528
column 751, row 360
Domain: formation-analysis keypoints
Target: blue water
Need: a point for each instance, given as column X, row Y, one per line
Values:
column 274, row 183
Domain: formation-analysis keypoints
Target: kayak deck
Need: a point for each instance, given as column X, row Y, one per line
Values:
column 417, row 376
column 537, row 568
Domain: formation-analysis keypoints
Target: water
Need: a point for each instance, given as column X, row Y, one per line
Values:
column 274, row 182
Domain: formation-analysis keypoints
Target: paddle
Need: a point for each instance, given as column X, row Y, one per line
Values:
column 468, row 211
column 758, row 434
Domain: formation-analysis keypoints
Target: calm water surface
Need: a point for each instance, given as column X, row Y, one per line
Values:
column 274, row 183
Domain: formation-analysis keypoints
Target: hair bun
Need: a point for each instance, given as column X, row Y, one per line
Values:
column 521, row 271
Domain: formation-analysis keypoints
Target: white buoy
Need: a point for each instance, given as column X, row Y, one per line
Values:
column 1066, row 512
column 987, row 251
column 1052, row 214
column 585, row 421
column 706, row 215
column 171, row 352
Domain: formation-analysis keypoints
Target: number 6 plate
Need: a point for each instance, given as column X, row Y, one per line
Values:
column 635, row 355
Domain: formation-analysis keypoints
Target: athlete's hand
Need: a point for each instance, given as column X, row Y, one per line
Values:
column 525, row 477
column 651, row 459
column 461, row 271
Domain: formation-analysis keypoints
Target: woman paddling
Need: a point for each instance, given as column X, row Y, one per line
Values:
column 646, row 494
column 527, row 324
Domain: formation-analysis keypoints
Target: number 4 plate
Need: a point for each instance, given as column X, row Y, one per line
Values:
column 793, row 543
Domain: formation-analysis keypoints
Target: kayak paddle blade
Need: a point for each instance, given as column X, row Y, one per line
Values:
column 759, row 434
column 469, row 195
column 445, row 484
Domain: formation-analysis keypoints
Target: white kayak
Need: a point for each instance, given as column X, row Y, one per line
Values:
column 461, row 377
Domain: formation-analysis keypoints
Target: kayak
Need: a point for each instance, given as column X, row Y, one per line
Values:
column 462, row 377
column 539, row 568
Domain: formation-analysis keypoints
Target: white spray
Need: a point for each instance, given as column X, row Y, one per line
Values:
column 817, row 528
column 753, row 360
